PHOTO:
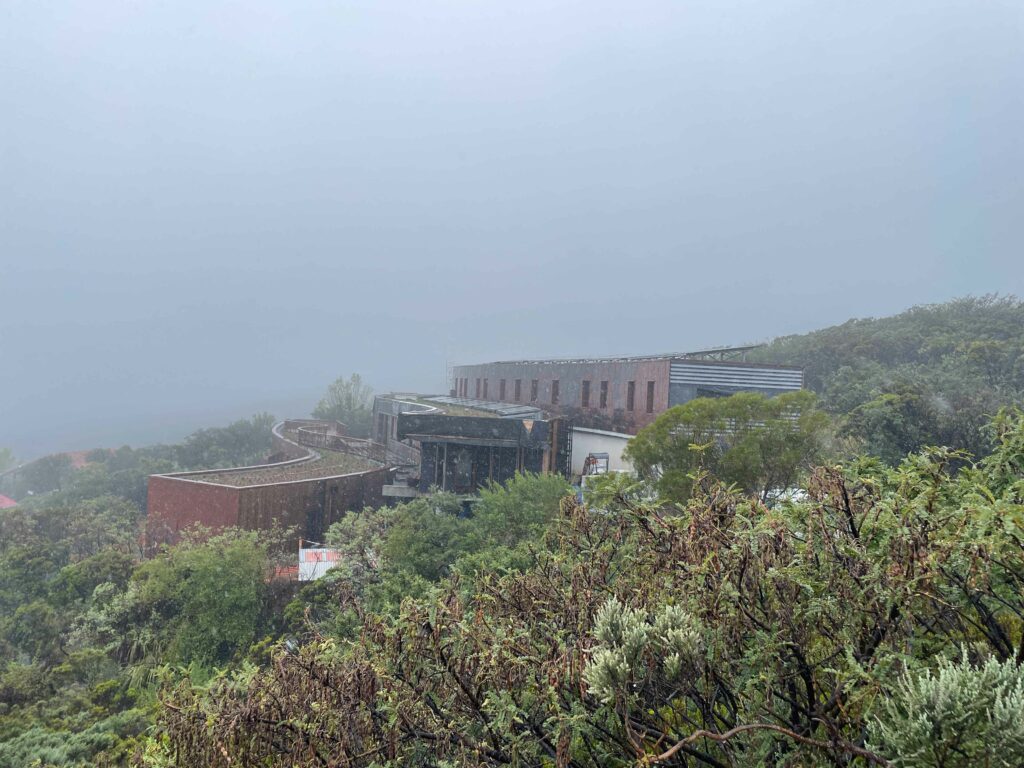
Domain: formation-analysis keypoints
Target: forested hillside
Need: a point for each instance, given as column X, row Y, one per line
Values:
column 91, row 629
column 123, row 471
column 932, row 375
column 87, row 625
column 876, row 621
column 761, row 594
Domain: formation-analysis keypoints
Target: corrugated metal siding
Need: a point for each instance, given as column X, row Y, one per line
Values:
column 736, row 376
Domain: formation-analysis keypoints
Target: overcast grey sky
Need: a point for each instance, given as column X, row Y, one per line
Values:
column 211, row 207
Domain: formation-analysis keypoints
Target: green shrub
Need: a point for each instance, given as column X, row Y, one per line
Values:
column 957, row 717
column 44, row 747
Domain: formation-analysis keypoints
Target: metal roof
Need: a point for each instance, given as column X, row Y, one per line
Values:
column 715, row 355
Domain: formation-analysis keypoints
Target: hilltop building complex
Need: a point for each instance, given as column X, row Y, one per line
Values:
column 622, row 394
column 316, row 475
column 499, row 419
column 460, row 444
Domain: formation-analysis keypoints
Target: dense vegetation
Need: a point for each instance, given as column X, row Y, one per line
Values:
column 123, row 472
column 783, row 585
column 933, row 375
column 90, row 630
column 758, row 443
column 880, row 620
column 86, row 626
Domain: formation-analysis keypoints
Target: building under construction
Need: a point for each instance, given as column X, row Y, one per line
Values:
column 461, row 444
column 622, row 394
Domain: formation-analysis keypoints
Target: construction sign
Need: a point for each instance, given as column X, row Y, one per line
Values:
column 314, row 562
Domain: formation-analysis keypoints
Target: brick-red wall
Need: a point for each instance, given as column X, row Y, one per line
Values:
column 570, row 376
column 307, row 506
column 174, row 504
column 310, row 506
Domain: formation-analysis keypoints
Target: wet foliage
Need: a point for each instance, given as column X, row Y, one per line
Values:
column 933, row 375
column 722, row 632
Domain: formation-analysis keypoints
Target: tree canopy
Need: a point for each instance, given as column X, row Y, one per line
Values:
column 691, row 616
column 759, row 443
column 874, row 622
column 87, row 628
column 349, row 401
column 933, row 375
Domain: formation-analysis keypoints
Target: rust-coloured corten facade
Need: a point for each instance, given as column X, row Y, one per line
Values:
column 621, row 394
column 175, row 503
column 309, row 507
column 264, row 497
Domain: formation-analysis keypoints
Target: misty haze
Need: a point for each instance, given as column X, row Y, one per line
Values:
column 637, row 331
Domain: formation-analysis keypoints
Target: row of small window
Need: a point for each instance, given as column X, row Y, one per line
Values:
column 602, row 397
column 481, row 392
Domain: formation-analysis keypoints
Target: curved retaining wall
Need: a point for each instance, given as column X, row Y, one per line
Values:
column 287, row 448
column 306, row 508
column 366, row 449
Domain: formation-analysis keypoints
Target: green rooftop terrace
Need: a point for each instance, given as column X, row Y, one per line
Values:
column 329, row 464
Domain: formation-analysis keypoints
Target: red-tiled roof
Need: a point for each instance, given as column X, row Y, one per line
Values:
column 6, row 503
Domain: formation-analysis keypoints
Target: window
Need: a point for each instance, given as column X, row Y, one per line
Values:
column 519, row 389
column 501, row 390
column 485, row 389
column 604, row 394
column 478, row 389
column 585, row 396
column 534, row 385
column 630, row 395
column 650, row 397
column 554, row 392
